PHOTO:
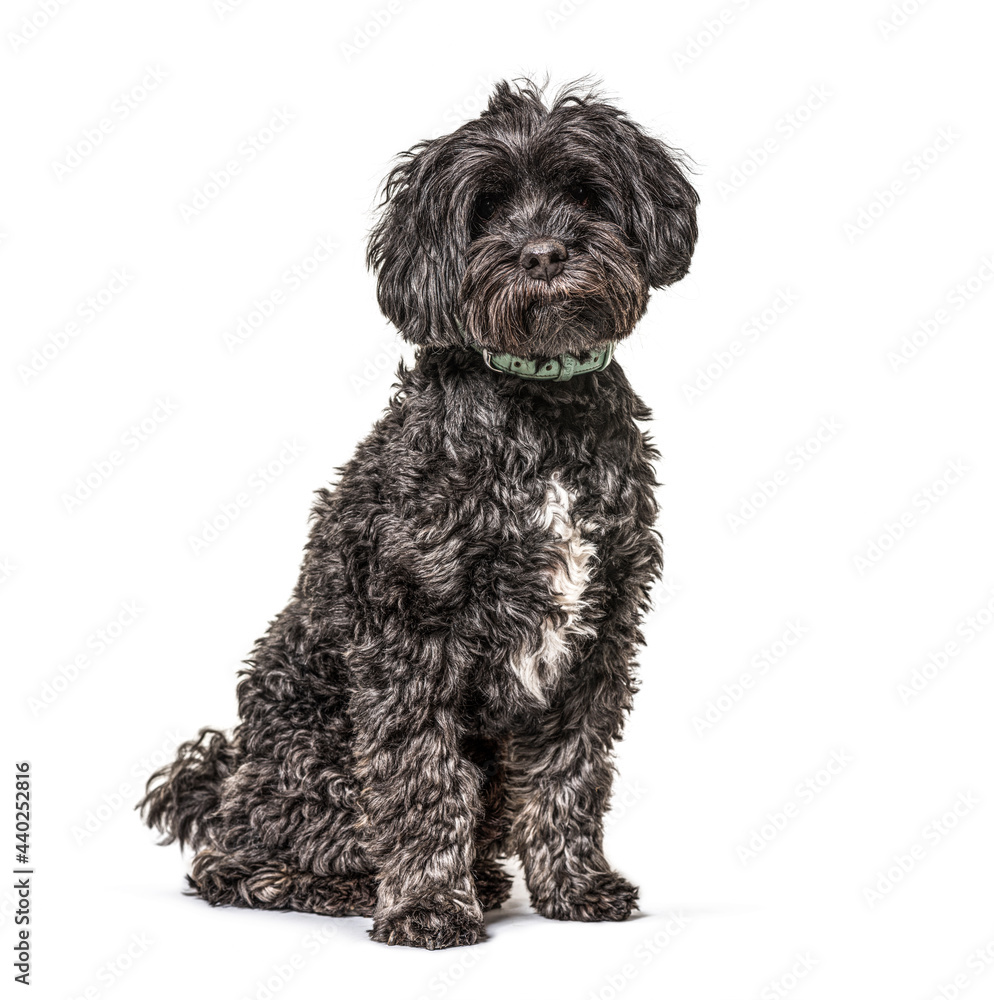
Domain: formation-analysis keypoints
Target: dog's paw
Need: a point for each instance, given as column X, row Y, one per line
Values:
column 420, row 926
column 493, row 884
column 598, row 896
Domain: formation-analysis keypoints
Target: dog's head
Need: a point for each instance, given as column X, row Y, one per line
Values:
column 535, row 229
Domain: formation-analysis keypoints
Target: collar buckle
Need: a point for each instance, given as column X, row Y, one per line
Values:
column 488, row 362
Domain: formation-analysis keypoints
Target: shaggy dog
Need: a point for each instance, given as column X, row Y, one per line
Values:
column 445, row 685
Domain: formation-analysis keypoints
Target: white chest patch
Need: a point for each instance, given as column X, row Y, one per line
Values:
column 538, row 666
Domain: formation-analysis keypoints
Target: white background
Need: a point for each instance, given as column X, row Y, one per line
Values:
column 905, row 105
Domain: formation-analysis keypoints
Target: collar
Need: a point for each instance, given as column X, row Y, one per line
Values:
column 560, row 368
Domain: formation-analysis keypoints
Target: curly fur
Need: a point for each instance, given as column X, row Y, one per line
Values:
column 444, row 688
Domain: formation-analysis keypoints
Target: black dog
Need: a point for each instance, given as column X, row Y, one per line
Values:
column 446, row 683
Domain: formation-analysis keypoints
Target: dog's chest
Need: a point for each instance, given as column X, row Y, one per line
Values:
column 567, row 556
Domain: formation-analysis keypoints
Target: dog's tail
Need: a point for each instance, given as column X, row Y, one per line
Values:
column 180, row 797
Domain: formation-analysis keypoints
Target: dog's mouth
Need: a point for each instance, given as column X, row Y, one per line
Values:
column 565, row 324
column 570, row 324
column 566, row 316
column 597, row 298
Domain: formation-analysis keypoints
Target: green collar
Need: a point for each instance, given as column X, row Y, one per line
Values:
column 561, row 368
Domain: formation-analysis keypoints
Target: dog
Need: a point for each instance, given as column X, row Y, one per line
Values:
column 457, row 659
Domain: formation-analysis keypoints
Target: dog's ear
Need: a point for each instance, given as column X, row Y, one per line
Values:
column 415, row 248
column 663, row 207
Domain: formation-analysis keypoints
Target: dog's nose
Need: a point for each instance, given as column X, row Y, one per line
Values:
column 543, row 259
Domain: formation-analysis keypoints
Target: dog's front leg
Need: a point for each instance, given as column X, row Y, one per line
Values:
column 419, row 801
column 560, row 775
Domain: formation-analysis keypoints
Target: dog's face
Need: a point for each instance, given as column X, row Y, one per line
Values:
column 534, row 230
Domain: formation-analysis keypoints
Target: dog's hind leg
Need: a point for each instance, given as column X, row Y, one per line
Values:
column 283, row 840
column 243, row 879
column 181, row 796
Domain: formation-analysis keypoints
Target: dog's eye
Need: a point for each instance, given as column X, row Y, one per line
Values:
column 486, row 205
column 581, row 194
